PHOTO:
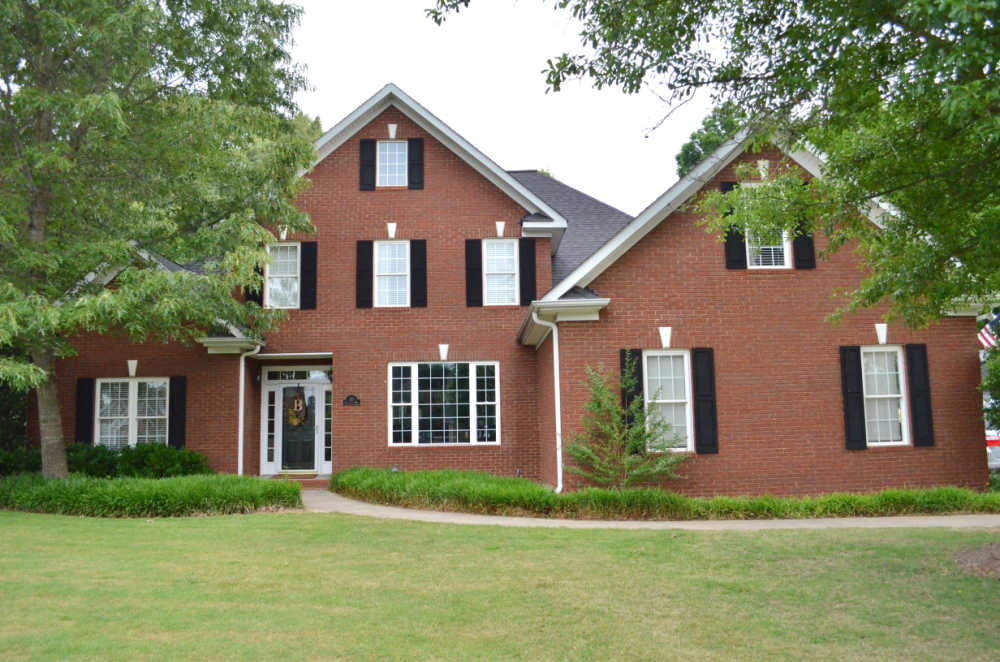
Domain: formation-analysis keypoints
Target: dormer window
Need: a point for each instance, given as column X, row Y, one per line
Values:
column 391, row 163
column 769, row 253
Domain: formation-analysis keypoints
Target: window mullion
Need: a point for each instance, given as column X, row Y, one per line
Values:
column 414, row 404
column 133, row 411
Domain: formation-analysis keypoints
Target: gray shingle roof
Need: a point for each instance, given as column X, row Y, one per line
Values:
column 591, row 222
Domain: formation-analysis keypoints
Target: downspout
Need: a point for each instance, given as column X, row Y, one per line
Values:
column 242, row 407
column 555, row 379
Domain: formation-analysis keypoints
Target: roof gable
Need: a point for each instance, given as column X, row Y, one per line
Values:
column 550, row 223
column 662, row 207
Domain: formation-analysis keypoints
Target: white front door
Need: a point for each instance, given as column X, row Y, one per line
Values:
column 295, row 421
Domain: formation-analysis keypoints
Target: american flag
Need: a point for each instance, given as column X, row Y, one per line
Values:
column 988, row 334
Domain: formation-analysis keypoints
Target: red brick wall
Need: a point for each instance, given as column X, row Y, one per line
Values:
column 777, row 366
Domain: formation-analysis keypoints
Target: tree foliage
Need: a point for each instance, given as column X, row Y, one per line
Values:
column 131, row 130
column 614, row 448
column 720, row 125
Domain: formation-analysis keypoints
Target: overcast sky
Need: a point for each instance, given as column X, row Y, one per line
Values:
column 480, row 73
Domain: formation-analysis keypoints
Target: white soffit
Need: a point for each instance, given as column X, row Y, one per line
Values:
column 391, row 95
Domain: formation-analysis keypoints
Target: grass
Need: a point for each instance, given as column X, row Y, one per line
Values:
column 326, row 587
column 146, row 497
column 476, row 492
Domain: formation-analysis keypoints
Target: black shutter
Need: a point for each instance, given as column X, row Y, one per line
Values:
column 256, row 296
column 367, row 177
column 854, row 398
column 177, row 412
column 418, row 273
column 736, row 245
column 307, row 293
column 706, row 425
column 526, row 259
column 473, row 272
column 85, row 410
column 804, row 250
column 364, row 271
column 415, row 163
column 625, row 356
column 920, row 395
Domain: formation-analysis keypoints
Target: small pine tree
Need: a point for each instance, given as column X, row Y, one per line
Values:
column 613, row 449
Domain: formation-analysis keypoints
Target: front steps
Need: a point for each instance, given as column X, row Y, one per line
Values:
column 307, row 481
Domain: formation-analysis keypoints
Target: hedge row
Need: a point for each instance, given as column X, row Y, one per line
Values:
column 146, row 497
column 142, row 461
column 483, row 493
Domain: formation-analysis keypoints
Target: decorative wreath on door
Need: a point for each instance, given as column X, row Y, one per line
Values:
column 296, row 411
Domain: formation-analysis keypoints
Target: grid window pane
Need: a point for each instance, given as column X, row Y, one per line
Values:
column 270, row 426
column 765, row 251
column 392, row 281
column 452, row 403
column 882, row 384
column 151, row 431
column 114, row 432
column 500, row 272
column 328, row 427
column 667, row 398
column 132, row 411
column 283, row 277
column 393, row 290
column 152, row 400
column 114, row 399
column 392, row 163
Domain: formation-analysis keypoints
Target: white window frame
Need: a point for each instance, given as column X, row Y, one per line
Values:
column 298, row 276
column 517, row 272
column 904, row 402
column 376, row 274
column 133, row 407
column 415, row 404
column 648, row 399
column 786, row 242
column 378, row 164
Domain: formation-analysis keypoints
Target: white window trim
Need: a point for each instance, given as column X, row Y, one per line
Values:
column 378, row 159
column 376, row 274
column 517, row 272
column 414, row 412
column 786, row 242
column 133, row 407
column 904, row 401
column 688, row 392
column 298, row 276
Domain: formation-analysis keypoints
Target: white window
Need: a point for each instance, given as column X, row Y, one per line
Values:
column 392, row 273
column 884, row 386
column 131, row 411
column 769, row 253
column 500, row 285
column 282, row 276
column 391, row 163
column 667, row 394
column 444, row 403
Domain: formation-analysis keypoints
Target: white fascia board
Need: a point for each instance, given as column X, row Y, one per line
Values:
column 391, row 95
column 566, row 310
column 228, row 345
column 281, row 356
column 543, row 229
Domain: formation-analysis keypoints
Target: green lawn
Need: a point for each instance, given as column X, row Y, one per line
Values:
column 321, row 587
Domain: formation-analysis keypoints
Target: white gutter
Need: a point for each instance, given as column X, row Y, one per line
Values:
column 242, row 407
column 555, row 380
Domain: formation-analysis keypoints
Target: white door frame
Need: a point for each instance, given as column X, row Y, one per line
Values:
column 320, row 386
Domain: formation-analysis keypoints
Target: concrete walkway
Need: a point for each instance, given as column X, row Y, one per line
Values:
column 323, row 501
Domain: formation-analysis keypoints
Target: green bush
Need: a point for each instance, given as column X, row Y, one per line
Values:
column 483, row 493
column 145, row 497
column 995, row 481
column 142, row 461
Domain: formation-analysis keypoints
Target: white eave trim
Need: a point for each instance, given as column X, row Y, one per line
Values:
column 391, row 95
column 565, row 310
column 229, row 345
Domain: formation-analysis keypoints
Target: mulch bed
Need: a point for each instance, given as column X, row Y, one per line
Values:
column 981, row 561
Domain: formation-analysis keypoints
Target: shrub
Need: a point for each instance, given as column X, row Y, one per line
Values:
column 145, row 497
column 483, row 493
column 612, row 450
column 142, row 461
column 995, row 481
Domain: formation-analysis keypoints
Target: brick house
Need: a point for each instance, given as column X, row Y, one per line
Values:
column 444, row 312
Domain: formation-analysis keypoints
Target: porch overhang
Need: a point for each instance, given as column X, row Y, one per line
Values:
column 563, row 310
column 229, row 345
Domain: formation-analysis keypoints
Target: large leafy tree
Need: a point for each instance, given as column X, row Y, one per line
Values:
column 901, row 98
column 131, row 129
column 720, row 125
